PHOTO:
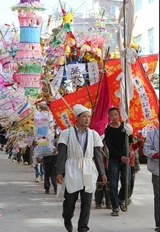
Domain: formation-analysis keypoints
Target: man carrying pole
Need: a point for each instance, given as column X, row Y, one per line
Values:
column 126, row 91
column 115, row 136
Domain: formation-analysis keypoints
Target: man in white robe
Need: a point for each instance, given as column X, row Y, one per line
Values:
column 80, row 162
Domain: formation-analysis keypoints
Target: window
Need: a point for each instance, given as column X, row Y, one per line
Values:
column 149, row 1
column 138, row 5
column 113, row 9
column 138, row 40
column 151, row 40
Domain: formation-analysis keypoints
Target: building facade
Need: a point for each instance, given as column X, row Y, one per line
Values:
column 95, row 11
column 146, row 29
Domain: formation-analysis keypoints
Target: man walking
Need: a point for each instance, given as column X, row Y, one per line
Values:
column 80, row 161
column 115, row 141
column 151, row 150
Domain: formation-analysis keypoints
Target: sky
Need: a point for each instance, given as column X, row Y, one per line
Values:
column 7, row 16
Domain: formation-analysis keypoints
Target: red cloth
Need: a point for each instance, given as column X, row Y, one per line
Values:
column 132, row 160
column 100, row 118
column 135, row 146
column 104, row 161
column 136, row 112
column 82, row 96
column 156, row 155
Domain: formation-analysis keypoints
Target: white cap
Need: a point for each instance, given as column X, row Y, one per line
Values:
column 78, row 109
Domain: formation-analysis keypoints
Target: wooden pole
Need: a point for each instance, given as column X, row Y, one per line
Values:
column 126, row 108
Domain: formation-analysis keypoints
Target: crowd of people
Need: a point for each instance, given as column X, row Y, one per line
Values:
column 92, row 168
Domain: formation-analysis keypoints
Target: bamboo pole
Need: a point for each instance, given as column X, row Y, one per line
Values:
column 126, row 108
column 63, row 99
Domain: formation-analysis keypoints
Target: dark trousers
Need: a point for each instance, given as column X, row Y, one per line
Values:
column 155, row 182
column 116, row 169
column 103, row 192
column 69, row 207
column 49, row 172
column 19, row 157
column 26, row 156
column 131, row 187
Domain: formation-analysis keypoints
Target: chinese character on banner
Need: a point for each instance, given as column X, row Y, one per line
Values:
column 73, row 70
column 144, row 104
column 143, row 97
column 56, row 82
column 93, row 72
column 145, row 66
column 62, row 113
column 65, row 119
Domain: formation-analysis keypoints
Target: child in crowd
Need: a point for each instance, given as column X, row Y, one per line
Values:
column 44, row 130
column 102, row 193
column 133, row 149
column 39, row 171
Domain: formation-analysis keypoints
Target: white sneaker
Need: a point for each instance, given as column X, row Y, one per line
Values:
column 42, row 177
column 25, row 163
column 32, row 166
column 37, row 179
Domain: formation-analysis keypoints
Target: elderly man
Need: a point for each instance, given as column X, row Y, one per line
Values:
column 80, row 161
column 151, row 150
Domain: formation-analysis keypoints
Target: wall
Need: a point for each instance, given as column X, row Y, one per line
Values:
column 148, row 18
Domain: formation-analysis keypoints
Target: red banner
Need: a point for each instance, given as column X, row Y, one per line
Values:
column 100, row 119
column 144, row 105
column 151, row 61
column 61, row 109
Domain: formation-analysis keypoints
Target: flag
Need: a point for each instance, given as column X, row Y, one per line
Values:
column 138, row 111
column 144, row 104
column 100, row 118
column 149, row 63
column 62, row 108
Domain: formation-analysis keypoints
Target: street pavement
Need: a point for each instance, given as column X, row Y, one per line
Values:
column 24, row 206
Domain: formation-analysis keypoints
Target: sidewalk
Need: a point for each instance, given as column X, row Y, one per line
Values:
column 24, row 207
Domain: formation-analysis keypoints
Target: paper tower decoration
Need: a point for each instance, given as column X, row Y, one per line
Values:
column 29, row 56
column 5, row 59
